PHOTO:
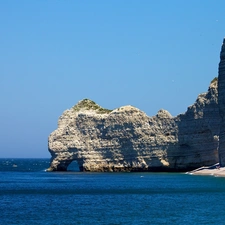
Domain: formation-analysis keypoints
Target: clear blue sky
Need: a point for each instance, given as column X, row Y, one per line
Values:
column 151, row 54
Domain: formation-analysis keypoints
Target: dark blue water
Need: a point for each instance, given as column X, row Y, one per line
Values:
column 29, row 195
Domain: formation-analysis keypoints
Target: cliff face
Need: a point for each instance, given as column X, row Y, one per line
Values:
column 126, row 139
column 221, row 100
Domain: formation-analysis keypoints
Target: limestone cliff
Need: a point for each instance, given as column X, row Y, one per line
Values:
column 126, row 139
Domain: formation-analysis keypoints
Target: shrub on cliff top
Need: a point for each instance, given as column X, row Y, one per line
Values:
column 88, row 104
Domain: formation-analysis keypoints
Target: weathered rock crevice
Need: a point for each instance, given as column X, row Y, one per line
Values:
column 126, row 139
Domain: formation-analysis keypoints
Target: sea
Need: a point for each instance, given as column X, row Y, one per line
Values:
column 30, row 195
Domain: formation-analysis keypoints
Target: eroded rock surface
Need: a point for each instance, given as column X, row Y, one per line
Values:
column 126, row 139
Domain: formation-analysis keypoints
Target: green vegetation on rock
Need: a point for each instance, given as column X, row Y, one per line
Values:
column 90, row 105
column 214, row 80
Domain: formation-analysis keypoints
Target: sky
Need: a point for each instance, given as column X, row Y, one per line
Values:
column 152, row 54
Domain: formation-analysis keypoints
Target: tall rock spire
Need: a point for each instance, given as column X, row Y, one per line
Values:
column 221, row 102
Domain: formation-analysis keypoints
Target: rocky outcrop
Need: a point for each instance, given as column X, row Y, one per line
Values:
column 126, row 139
column 221, row 100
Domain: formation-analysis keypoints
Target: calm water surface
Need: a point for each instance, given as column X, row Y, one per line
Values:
column 29, row 195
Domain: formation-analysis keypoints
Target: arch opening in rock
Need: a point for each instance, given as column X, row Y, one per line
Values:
column 73, row 166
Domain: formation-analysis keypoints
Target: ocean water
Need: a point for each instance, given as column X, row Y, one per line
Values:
column 29, row 195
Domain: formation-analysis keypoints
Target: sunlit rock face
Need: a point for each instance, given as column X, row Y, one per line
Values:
column 126, row 139
column 221, row 100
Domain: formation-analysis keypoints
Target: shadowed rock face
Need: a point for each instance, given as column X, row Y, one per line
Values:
column 221, row 100
column 126, row 139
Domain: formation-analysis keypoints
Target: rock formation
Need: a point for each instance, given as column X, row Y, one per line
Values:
column 221, row 101
column 126, row 139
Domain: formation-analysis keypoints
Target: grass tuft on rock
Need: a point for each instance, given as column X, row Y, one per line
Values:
column 88, row 104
